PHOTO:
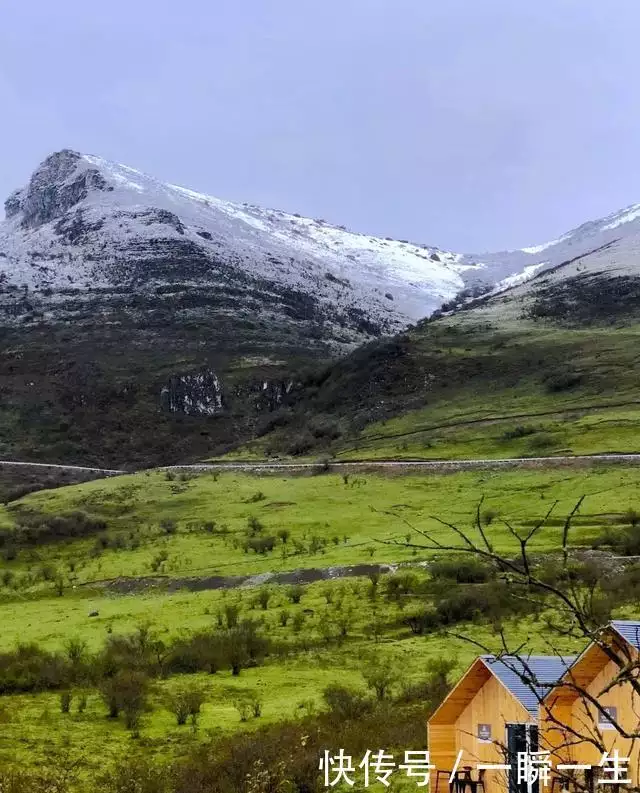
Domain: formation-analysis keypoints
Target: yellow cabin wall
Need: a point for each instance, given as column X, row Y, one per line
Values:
column 480, row 698
column 584, row 719
column 551, row 737
column 569, row 709
column 493, row 704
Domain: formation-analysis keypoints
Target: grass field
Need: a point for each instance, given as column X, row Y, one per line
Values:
column 330, row 519
column 198, row 525
column 34, row 729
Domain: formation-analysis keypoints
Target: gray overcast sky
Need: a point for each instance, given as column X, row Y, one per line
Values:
column 469, row 124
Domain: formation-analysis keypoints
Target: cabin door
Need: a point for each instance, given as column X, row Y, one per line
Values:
column 521, row 738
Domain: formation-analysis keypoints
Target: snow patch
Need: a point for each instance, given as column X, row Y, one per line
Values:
column 539, row 248
column 520, row 278
column 632, row 213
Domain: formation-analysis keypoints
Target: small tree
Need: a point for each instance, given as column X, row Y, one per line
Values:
column 243, row 706
column 169, row 526
column 380, row 675
column 345, row 704
column 283, row 535
column 264, row 596
column 231, row 614
column 256, row 706
column 185, row 703
column 126, row 692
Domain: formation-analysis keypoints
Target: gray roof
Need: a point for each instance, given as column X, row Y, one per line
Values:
column 546, row 669
column 629, row 630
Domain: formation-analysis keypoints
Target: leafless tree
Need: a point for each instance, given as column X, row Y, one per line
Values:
column 574, row 598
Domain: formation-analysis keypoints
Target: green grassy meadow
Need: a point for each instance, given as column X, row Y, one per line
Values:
column 330, row 519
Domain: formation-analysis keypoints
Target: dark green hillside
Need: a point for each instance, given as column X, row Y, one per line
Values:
column 139, row 381
column 555, row 372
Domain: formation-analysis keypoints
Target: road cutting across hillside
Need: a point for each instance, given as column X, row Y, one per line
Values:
column 329, row 465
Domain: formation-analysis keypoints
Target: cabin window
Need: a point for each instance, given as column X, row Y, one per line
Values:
column 606, row 716
column 484, row 732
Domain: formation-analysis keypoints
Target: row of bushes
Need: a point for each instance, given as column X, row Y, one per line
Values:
column 276, row 757
column 33, row 668
column 36, row 528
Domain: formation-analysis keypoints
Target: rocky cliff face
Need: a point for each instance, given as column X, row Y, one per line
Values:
column 61, row 182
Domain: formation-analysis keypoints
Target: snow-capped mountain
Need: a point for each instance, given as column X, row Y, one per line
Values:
column 587, row 238
column 145, row 323
column 86, row 224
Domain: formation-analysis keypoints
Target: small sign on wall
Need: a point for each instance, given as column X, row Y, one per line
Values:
column 605, row 719
column 484, row 732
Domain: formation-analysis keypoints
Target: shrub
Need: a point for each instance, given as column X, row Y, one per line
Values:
column 431, row 690
column 284, row 617
column 380, row 675
column 259, row 496
column 301, row 444
column 422, row 620
column 254, row 526
column 30, row 668
column 465, row 570
column 542, row 441
column 169, row 526
column 243, row 706
column 244, row 646
column 295, row 592
column 126, row 692
column 34, row 528
column 202, row 652
column 562, row 380
column 297, row 623
column 345, row 704
column 521, row 431
column 632, row 517
column 231, row 614
column 400, row 585
column 185, row 703
column 65, row 701
column 264, row 596
column 76, row 650
column 261, row 545
column 488, row 516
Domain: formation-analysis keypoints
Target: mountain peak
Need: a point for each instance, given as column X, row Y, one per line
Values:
column 62, row 180
column 83, row 221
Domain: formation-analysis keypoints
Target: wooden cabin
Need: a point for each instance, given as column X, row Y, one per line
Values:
column 595, row 673
column 491, row 715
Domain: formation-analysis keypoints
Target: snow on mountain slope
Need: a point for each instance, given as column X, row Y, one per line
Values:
column 84, row 222
column 601, row 285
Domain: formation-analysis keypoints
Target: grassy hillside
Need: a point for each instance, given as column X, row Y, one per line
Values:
column 487, row 382
column 176, row 549
column 283, row 601
column 233, row 524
